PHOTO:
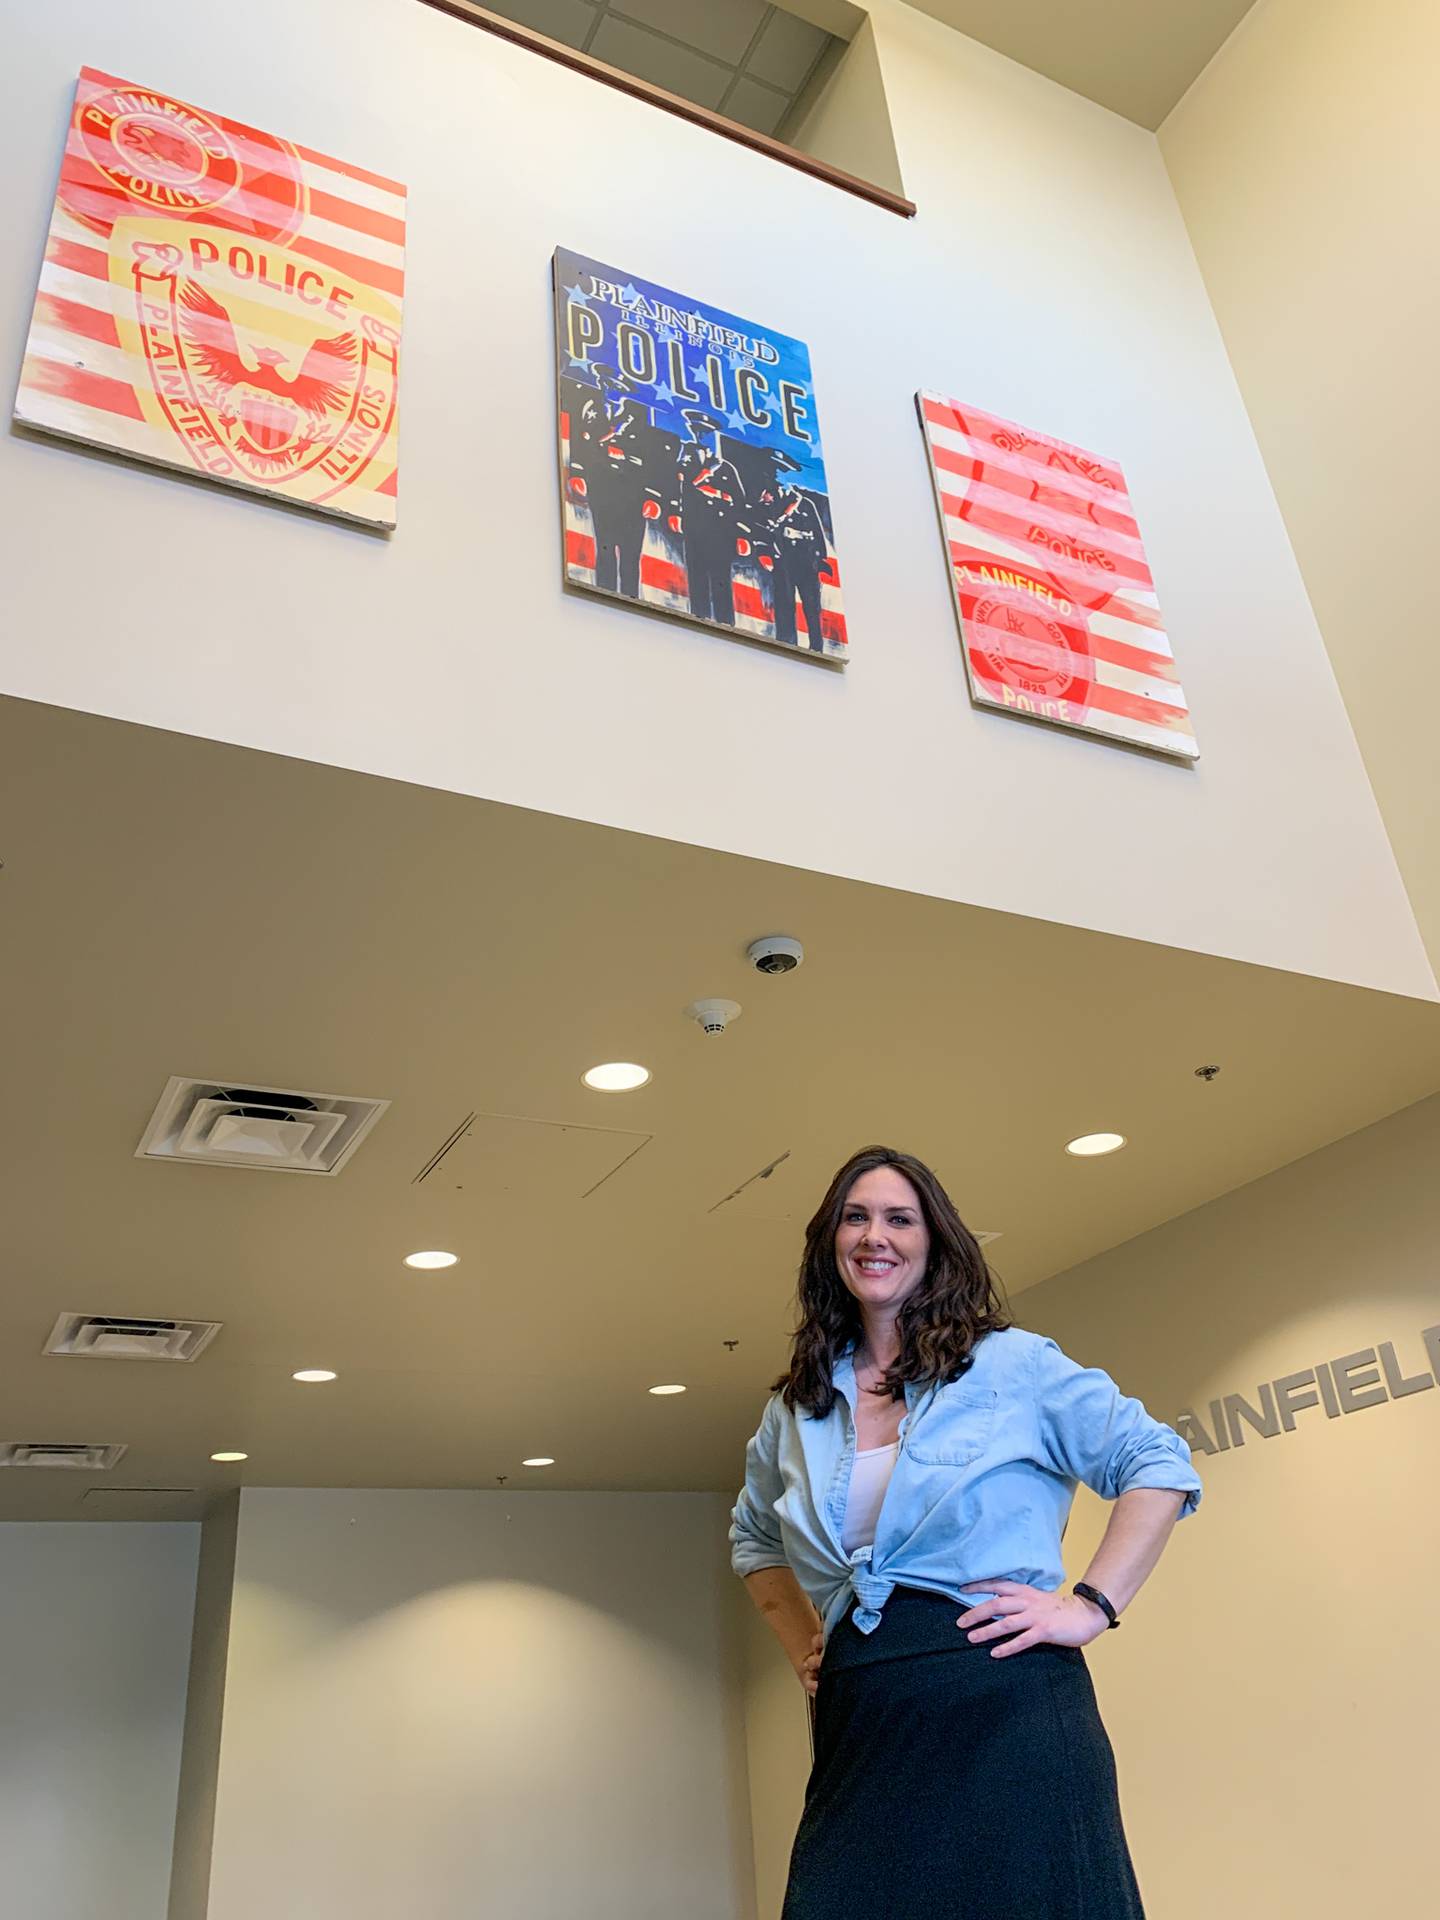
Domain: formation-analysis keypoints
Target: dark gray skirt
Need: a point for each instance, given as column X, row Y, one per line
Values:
column 956, row 1787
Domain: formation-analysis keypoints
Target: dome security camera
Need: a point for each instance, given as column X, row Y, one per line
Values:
column 776, row 953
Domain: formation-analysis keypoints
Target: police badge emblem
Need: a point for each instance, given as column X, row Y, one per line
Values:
column 241, row 317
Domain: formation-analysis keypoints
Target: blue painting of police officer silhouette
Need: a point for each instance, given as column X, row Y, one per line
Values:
column 690, row 462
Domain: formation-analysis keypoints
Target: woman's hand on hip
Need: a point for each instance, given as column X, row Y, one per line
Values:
column 808, row 1669
column 1037, row 1617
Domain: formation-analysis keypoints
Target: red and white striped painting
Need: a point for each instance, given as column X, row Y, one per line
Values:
column 222, row 301
column 1058, row 612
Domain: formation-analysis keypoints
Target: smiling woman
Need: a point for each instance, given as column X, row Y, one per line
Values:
column 917, row 1461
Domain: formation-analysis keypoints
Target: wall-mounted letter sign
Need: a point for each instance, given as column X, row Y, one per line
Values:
column 1369, row 1377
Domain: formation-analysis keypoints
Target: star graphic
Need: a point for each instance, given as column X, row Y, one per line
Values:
column 665, row 395
column 579, row 366
column 737, row 421
column 577, row 295
column 630, row 295
column 668, row 333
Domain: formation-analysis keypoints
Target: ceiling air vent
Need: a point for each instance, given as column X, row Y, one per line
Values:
column 271, row 1128
column 98, row 1336
column 60, row 1453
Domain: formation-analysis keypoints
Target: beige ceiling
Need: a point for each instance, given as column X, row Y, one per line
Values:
column 173, row 906
column 1137, row 56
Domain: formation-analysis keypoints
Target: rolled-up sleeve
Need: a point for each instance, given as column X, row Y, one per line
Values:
column 754, row 1530
column 1091, row 1431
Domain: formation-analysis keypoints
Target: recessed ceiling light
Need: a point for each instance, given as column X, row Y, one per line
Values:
column 314, row 1373
column 617, row 1076
column 434, row 1258
column 1090, row 1144
column 667, row 1389
column 229, row 1456
column 541, row 1460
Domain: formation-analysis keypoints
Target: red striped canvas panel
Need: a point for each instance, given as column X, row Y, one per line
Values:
column 222, row 301
column 1058, row 613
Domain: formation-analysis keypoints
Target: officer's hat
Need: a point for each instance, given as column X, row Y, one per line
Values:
column 609, row 376
column 783, row 462
column 696, row 418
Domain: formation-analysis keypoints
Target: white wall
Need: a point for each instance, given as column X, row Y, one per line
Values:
column 848, row 121
column 204, row 1712
column 1305, row 160
column 94, row 1645
column 439, row 1704
column 1273, row 1695
column 777, row 1752
column 1048, row 276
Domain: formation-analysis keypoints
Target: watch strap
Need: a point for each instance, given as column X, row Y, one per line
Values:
column 1093, row 1593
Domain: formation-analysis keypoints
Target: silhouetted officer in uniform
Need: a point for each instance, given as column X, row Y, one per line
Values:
column 611, row 455
column 711, row 496
column 796, row 534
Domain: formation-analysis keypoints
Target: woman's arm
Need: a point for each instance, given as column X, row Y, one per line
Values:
column 791, row 1618
column 1141, row 1521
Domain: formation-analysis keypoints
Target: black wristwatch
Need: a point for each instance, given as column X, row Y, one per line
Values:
column 1094, row 1593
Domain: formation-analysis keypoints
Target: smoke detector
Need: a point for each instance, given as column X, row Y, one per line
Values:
column 61, row 1453
column 274, row 1129
column 713, row 1016
column 97, row 1336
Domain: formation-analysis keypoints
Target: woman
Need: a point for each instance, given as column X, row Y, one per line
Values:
column 920, row 1456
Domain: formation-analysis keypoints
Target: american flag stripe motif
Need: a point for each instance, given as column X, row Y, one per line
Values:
column 215, row 298
column 1058, row 613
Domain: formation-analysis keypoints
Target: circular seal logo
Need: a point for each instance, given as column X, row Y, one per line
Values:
column 137, row 151
column 1029, row 650
column 263, row 371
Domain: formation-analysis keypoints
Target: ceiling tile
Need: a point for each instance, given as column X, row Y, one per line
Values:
column 660, row 62
column 755, row 106
column 567, row 20
column 788, row 49
column 725, row 29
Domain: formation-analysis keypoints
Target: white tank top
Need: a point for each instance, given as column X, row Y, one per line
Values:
column 869, row 1478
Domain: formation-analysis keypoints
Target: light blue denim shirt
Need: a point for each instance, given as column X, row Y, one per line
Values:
column 982, row 1487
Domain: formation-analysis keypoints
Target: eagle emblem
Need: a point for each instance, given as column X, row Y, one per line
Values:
column 275, row 413
column 263, row 370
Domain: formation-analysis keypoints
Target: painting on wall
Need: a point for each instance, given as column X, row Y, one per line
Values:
column 1058, row 615
column 221, row 301
column 692, row 474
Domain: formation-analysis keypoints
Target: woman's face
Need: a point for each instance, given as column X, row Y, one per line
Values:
column 882, row 1243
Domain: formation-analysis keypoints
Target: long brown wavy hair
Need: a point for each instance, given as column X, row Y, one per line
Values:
column 956, row 1303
